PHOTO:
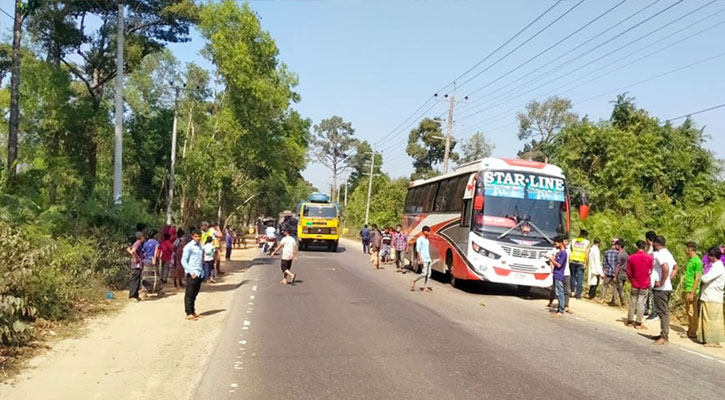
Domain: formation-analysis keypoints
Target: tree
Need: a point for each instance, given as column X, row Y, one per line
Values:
column 540, row 125
column 476, row 148
column 387, row 200
column 359, row 162
column 333, row 143
column 427, row 147
column 14, row 120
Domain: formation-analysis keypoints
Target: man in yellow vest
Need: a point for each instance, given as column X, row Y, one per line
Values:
column 579, row 257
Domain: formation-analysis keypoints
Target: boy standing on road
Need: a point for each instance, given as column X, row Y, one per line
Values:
column 558, row 263
column 365, row 237
column 167, row 257
column 690, row 294
column 288, row 245
column 664, row 269
column 400, row 242
column 639, row 269
column 422, row 247
column 579, row 258
column 620, row 273
column 191, row 260
column 209, row 259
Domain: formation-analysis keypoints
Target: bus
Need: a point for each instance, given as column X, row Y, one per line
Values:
column 319, row 222
column 491, row 220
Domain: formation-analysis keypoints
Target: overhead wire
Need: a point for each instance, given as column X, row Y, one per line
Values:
column 696, row 112
column 512, row 96
column 638, row 51
column 433, row 97
column 586, row 42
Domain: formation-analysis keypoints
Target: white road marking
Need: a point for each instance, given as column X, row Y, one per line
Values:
column 580, row 319
column 249, row 312
column 721, row 361
column 247, row 323
column 250, row 303
column 251, row 297
column 245, row 328
column 243, row 342
column 254, row 288
column 234, row 385
column 699, row 354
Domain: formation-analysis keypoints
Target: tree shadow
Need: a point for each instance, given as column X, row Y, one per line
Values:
column 221, row 287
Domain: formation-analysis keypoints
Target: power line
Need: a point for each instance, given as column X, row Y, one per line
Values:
column 470, row 69
column 607, row 30
column 6, row 13
column 550, row 47
column 696, row 112
column 525, row 42
column 595, row 60
column 512, row 38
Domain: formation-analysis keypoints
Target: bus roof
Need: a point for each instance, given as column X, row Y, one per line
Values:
column 493, row 163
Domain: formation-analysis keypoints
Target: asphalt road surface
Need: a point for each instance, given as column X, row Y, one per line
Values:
column 347, row 331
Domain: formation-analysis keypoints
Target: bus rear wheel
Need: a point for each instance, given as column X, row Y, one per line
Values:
column 333, row 246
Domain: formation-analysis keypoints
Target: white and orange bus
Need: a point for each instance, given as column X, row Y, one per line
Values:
column 491, row 220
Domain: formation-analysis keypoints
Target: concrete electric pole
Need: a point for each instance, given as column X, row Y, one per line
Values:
column 370, row 188
column 118, row 135
column 172, row 176
column 449, row 132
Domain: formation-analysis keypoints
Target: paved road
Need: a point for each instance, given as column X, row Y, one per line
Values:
column 347, row 331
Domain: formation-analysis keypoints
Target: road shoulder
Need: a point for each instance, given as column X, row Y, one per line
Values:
column 146, row 350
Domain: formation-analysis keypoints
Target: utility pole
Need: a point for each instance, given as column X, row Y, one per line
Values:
column 172, row 176
column 370, row 187
column 346, row 184
column 451, row 104
column 118, row 136
column 14, row 119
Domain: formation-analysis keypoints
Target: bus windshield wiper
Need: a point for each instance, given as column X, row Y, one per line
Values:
column 545, row 236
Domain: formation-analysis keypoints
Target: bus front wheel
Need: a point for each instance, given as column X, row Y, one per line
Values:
column 333, row 247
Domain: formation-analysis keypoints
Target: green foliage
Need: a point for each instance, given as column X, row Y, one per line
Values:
column 332, row 146
column 386, row 203
column 476, row 147
column 426, row 146
column 359, row 162
column 540, row 125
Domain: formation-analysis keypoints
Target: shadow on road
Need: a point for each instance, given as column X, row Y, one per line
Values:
column 494, row 289
column 212, row 312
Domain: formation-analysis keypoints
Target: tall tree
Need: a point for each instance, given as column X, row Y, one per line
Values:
column 14, row 121
column 333, row 144
column 427, row 147
column 476, row 147
column 541, row 123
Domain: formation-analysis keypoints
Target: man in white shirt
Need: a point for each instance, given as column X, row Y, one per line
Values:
column 595, row 268
column 288, row 245
column 665, row 267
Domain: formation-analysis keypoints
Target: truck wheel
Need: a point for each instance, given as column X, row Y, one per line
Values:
column 334, row 247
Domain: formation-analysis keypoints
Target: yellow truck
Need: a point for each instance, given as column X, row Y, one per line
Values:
column 319, row 222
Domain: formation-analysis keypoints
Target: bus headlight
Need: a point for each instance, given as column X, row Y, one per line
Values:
column 333, row 231
column 305, row 230
column 486, row 253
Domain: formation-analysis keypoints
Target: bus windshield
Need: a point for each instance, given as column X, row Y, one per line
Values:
column 310, row 211
column 521, row 205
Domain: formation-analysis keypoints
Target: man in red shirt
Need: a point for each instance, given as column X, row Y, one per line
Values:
column 639, row 268
column 167, row 256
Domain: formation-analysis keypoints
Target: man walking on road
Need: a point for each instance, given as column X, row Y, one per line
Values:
column 690, row 294
column 136, row 252
column 191, row 260
column 579, row 257
column 400, row 242
column 365, row 237
column 665, row 268
column 288, row 245
column 639, row 268
column 422, row 247
column 376, row 243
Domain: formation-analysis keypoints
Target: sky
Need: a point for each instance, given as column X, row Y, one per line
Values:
column 374, row 63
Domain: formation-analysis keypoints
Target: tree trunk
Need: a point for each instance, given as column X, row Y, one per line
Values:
column 14, row 94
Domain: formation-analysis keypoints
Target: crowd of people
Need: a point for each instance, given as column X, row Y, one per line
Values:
column 647, row 274
column 649, row 271
column 189, row 257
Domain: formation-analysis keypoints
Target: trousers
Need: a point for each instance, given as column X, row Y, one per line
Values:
column 193, row 285
column 134, row 283
column 637, row 298
column 424, row 273
column 662, row 306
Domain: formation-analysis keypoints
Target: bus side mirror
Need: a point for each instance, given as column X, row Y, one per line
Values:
column 478, row 203
column 583, row 211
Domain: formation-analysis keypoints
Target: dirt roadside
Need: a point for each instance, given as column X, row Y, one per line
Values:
column 146, row 350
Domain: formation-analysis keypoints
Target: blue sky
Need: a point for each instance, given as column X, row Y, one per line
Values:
column 374, row 62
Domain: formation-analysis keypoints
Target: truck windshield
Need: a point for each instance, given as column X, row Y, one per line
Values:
column 319, row 211
column 521, row 205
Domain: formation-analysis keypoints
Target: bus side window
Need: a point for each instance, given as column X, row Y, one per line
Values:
column 466, row 213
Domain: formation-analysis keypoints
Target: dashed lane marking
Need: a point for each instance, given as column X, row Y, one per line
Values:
column 254, row 288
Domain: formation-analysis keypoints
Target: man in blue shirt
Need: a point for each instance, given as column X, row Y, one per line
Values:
column 365, row 237
column 422, row 247
column 558, row 263
column 191, row 260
